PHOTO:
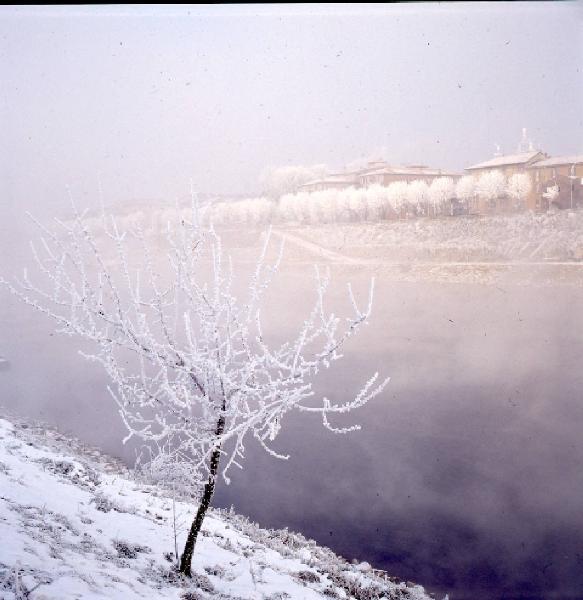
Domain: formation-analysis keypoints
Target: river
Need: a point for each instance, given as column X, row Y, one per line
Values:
column 466, row 476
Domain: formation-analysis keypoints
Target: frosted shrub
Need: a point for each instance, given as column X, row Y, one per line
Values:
column 397, row 196
column 377, row 201
column 465, row 189
column 491, row 186
column 441, row 191
column 418, row 196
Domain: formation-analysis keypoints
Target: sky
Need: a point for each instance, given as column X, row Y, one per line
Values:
column 140, row 101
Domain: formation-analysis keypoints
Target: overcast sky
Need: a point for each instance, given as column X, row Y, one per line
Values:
column 146, row 99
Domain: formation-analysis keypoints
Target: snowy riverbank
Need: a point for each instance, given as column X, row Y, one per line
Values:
column 74, row 524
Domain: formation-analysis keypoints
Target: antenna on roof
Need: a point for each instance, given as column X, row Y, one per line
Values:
column 525, row 144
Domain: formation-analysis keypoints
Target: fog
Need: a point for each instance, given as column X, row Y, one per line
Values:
column 466, row 476
column 144, row 102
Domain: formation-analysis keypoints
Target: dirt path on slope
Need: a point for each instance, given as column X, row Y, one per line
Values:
column 339, row 258
column 320, row 251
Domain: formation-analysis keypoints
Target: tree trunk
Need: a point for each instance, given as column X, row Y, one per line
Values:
column 209, row 488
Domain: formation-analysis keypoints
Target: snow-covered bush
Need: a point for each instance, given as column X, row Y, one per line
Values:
column 129, row 550
column 397, row 196
column 441, row 190
column 418, row 195
column 491, row 186
column 328, row 209
column 465, row 189
column 551, row 194
column 168, row 469
column 343, row 206
column 519, row 187
column 358, row 204
column 251, row 211
column 106, row 504
column 377, row 202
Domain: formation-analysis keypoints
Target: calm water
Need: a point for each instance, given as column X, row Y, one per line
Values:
column 467, row 475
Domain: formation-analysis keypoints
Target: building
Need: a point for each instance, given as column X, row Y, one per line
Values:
column 508, row 165
column 343, row 180
column 389, row 174
column 566, row 172
column 334, row 181
column 376, row 172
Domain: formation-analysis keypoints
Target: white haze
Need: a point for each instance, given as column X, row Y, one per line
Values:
column 470, row 468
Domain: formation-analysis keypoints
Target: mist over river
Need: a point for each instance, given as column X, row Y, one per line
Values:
column 466, row 476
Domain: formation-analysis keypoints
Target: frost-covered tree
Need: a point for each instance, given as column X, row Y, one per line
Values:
column 194, row 375
column 278, row 181
column 328, row 210
column 343, row 204
column 418, row 195
column 377, row 202
column 252, row 211
column 287, row 208
column 358, row 204
column 551, row 194
column 441, row 190
column 314, row 206
column 491, row 186
column 465, row 189
column 397, row 195
column 255, row 211
column 295, row 207
column 519, row 187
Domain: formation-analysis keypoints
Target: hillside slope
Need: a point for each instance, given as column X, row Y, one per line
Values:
column 73, row 524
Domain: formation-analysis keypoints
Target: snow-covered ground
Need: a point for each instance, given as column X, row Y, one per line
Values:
column 524, row 249
column 75, row 524
column 521, row 237
column 527, row 236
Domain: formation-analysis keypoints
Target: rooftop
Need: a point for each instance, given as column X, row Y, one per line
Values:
column 510, row 159
column 555, row 161
column 422, row 171
column 333, row 178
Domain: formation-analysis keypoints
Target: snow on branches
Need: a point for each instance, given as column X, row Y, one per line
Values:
column 519, row 186
column 491, row 185
column 191, row 369
column 551, row 193
column 277, row 181
column 441, row 191
column 465, row 188
column 418, row 194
